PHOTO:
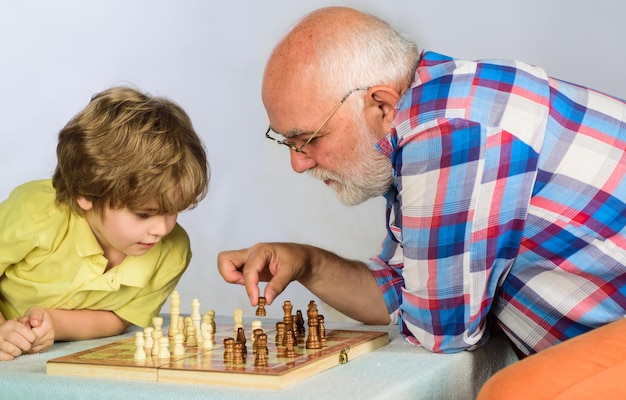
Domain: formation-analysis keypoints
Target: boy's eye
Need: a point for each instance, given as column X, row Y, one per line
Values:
column 143, row 215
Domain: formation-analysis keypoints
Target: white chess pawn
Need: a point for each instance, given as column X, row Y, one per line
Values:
column 192, row 340
column 256, row 324
column 147, row 337
column 157, row 322
column 140, row 352
column 164, row 348
column 188, row 324
column 179, row 348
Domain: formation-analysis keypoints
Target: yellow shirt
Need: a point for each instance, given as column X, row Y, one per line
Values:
column 49, row 257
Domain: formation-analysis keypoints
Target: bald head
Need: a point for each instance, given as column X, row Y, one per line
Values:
column 294, row 67
column 330, row 52
column 298, row 55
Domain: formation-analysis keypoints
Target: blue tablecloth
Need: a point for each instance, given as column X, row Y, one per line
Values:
column 396, row 371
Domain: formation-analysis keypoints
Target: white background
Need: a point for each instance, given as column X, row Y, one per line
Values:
column 209, row 56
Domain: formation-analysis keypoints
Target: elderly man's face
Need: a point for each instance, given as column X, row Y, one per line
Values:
column 341, row 153
column 359, row 172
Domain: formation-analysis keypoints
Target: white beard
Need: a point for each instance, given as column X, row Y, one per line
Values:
column 367, row 173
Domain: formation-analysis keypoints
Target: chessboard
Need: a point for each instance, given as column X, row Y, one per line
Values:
column 211, row 364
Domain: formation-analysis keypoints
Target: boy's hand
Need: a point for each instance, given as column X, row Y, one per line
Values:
column 16, row 338
column 41, row 323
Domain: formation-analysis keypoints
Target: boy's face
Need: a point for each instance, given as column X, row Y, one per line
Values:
column 123, row 232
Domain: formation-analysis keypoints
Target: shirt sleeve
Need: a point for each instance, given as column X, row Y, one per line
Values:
column 18, row 234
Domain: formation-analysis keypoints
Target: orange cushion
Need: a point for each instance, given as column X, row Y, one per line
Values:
column 592, row 365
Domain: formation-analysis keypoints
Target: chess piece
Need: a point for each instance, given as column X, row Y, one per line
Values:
column 294, row 326
column 174, row 313
column 260, row 311
column 140, row 351
column 262, row 352
column 157, row 334
column 196, row 318
column 192, row 338
column 280, row 333
column 157, row 322
column 164, row 348
column 321, row 329
column 256, row 324
column 188, row 324
column 179, row 348
column 313, row 341
column 287, row 307
column 207, row 332
column 300, row 330
column 241, row 338
column 238, row 353
column 181, row 326
column 238, row 319
column 211, row 314
column 290, row 340
column 229, row 344
column 287, row 319
column 255, row 334
column 147, row 338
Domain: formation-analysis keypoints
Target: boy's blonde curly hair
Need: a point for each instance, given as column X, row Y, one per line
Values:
column 127, row 149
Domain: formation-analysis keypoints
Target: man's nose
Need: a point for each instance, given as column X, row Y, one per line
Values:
column 301, row 162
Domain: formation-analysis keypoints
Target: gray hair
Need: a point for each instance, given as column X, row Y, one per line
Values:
column 373, row 55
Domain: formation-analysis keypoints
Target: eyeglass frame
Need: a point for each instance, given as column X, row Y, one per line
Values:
column 317, row 131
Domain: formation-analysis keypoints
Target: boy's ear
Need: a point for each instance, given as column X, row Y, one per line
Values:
column 379, row 108
column 83, row 203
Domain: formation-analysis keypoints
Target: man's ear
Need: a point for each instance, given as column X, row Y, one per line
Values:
column 379, row 108
column 83, row 203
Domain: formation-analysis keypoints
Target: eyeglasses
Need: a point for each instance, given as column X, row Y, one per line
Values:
column 288, row 143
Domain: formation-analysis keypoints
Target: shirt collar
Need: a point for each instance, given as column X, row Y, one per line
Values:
column 84, row 239
column 427, row 58
column 133, row 271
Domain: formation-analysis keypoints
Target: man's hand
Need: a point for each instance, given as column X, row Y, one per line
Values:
column 346, row 285
column 275, row 263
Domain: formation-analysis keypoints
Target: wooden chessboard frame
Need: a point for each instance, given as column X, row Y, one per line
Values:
column 207, row 366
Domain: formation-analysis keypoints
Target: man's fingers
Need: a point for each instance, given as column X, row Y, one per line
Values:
column 230, row 264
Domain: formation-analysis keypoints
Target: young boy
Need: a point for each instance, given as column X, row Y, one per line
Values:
column 97, row 248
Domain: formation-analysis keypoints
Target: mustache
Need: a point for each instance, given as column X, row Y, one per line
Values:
column 323, row 175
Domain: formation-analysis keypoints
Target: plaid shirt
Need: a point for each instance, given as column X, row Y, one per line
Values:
column 509, row 201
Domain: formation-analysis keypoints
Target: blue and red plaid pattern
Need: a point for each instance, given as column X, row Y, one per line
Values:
column 509, row 201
